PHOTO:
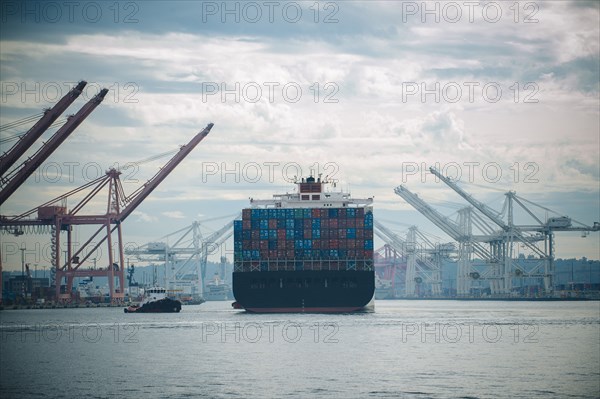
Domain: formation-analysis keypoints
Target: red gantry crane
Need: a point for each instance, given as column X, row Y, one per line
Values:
column 12, row 181
column 118, row 207
column 11, row 156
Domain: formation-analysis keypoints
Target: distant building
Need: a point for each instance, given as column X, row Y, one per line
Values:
column 22, row 285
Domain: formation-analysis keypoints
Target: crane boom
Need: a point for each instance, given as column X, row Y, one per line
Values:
column 30, row 165
column 477, row 204
column 448, row 226
column 141, row 194
column 217, row 236
column 12, row 155
column 443, row 222
column 390, row 238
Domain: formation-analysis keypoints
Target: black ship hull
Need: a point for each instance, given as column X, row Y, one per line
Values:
column 328, row 291
column 165, row 305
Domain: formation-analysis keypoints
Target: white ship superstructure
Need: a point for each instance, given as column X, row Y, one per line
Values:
column 311, row 194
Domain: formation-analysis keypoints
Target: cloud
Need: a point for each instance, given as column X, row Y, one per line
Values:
column 366, row 137
column 144, row 217
column 174, row 214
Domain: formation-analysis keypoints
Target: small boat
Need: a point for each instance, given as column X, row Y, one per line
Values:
column 155, row 301
column 217, row 289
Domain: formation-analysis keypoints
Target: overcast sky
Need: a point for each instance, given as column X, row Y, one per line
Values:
column 503, row 95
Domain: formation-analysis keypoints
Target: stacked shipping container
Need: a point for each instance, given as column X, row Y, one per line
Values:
column 303, row 239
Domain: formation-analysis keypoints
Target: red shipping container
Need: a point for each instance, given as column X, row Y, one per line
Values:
column 246, row 225
column 264, row 244
column 351, row 253
column 351, row 223
column 360, row 213
column 333, row 223
column 324, row 224
column 272, row 224
column 316, row 244
column 255, row 244
column 256, row 234
column 316, row 213
column 342, row 213
column 289, row 253
column 360, row 244
column 324, row 214
column 360, row 223
column 368, row 234
column 360, row 233
column 350, row 243
column 246, row 244
column 342, row 244
column 333, row 244
column 307, row 234
column 342, row 223
column 281, row 253
column 281, row 234
column 246, row 213
column 307, row 224
column 342, row 233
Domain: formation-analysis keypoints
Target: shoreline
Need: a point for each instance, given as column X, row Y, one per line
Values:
column 108, row 305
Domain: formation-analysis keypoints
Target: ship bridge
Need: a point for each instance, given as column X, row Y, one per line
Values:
column 311, row 194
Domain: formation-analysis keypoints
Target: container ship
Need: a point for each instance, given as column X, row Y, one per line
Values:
column 217, row 289
column 307, row 251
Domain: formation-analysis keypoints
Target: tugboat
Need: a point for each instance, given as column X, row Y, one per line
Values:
column 155, row 301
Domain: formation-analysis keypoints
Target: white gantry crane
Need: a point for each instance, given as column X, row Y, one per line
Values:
column 187, row 255
column 468, row 244
column 424, row 258
column 537, row 238
column 498, row 241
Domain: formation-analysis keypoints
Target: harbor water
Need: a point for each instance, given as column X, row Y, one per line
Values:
column 412, row 349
